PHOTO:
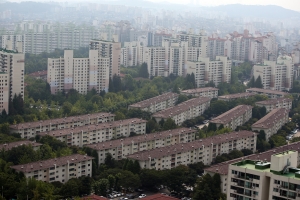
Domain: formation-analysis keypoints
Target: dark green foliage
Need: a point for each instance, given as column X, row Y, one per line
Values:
column 181, row 98
column 169, row 124
column 231, row 155
column 144, row 71
column 190, row 82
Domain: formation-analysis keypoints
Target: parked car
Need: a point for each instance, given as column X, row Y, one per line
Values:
column 142, row 196
column 123, row 198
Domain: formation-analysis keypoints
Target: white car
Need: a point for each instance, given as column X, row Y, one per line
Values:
column 142, row 196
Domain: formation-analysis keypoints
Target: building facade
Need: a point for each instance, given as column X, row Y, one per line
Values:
column 186, row 110
column 275, row 103
column 202, row 92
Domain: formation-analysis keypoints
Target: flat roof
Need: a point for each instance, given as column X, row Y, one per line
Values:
column 271, row 118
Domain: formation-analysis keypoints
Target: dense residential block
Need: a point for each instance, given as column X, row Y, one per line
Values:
column 31, row 129
column 202, row 92
column 230, row 97
column 9, row 146
column 272, row 94
column 271, row 104
column 157, row 103
column 233, row 118
column 93, row 133
column 272, row 122
column 120, row 148
column 187, row 110
column 58, row 169
column 204, row 150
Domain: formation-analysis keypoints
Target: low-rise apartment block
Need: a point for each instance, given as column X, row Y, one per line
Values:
column 157, row 103
column 94, row 133
column 272, row 122
column 223, row 168
column 260, row 179
column 230, row 97
column 202, row 92
column 31, row 129
column 272, row 94
column 187, row 110
column 275, row 103
column 9, row 146
column 235, row 117
column 204, row 150
column 58, row 169
column 120, row 148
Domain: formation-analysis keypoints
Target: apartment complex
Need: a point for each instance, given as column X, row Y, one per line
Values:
column 202, row 92
column 57, row 169
column 275, row 103
column 31, row 129
column 260, row 179
column 230, row 97
column 233, row 118
column 132, row 54
column 157, row 103
column 206, row 70
column 120, row 148
column 204, row 150
column 11, row 77
column 275, row 75
column 272, row 94
column 272, row 122
column 9, row 146
column 186, row 110
column 223, row 168
column 93, row 133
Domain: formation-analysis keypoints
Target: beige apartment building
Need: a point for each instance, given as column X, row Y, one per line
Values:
column 275, row 75
column 223, row 168
column 262, row 180
column 272, row 122
column 157, row 103
column 94, row 133
column 204, row 150
column 235, row 117
column 132, row 54
column 186, row 110
column 271, row 104
column 120, row 148
column 206, row 70
column 231, row 97
column 31, row 129
column 57, row 169
column 272, row 94
column 202, row 92
column 9, row 146
column 11, row 76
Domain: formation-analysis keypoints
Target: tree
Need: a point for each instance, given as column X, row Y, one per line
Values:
column 246, row 152
column 181, row 98
column 277, row 141
column 169, row 124
column 109, row 161
column 111, row 85
column 258, row 82
column 70, row 188
column 100, row 187
column 117, row 83
column 67, row 107
column 144, row 71
column 150, row 178
column 129, row 180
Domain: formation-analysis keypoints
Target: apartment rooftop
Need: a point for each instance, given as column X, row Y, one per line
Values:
column 60, row 120
column 237, row 96
column 271, row 118
column 182, row 107
column 274, row 101
column 186, row 147
column 265, row 91
column 92, row 127
column 46, row 164
column 148, row 102
column 198, row 90
column 222, row 168
column 231, row 114
column 9, row 146
column 139, row 139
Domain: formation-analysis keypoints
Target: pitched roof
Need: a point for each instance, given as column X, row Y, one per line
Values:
column 237, row 96
column 93, row 197
column 197, row 90
column 159, row 197
column 274, row 101
column 9, row 146
column 265, row 91
column 271, row 118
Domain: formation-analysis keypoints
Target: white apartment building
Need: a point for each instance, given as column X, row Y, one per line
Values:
column 94, row 133
column 223, row 168
column 120, row 148
column 31, row 129
column 11, row 76
column 9, row 146
column 202, row 92
column 205, row 70
column 272, row 122
column 231, row 97
column 276, row 75
column 132, row 54
column 157, row 103
column 272, row 94
column 204, row 150
column 57, row 169
column 186, row 110
column 271, row 104
column 233, row 118
column 260, row 179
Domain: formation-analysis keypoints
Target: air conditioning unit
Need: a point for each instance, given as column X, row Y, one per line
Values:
column 253, row 187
